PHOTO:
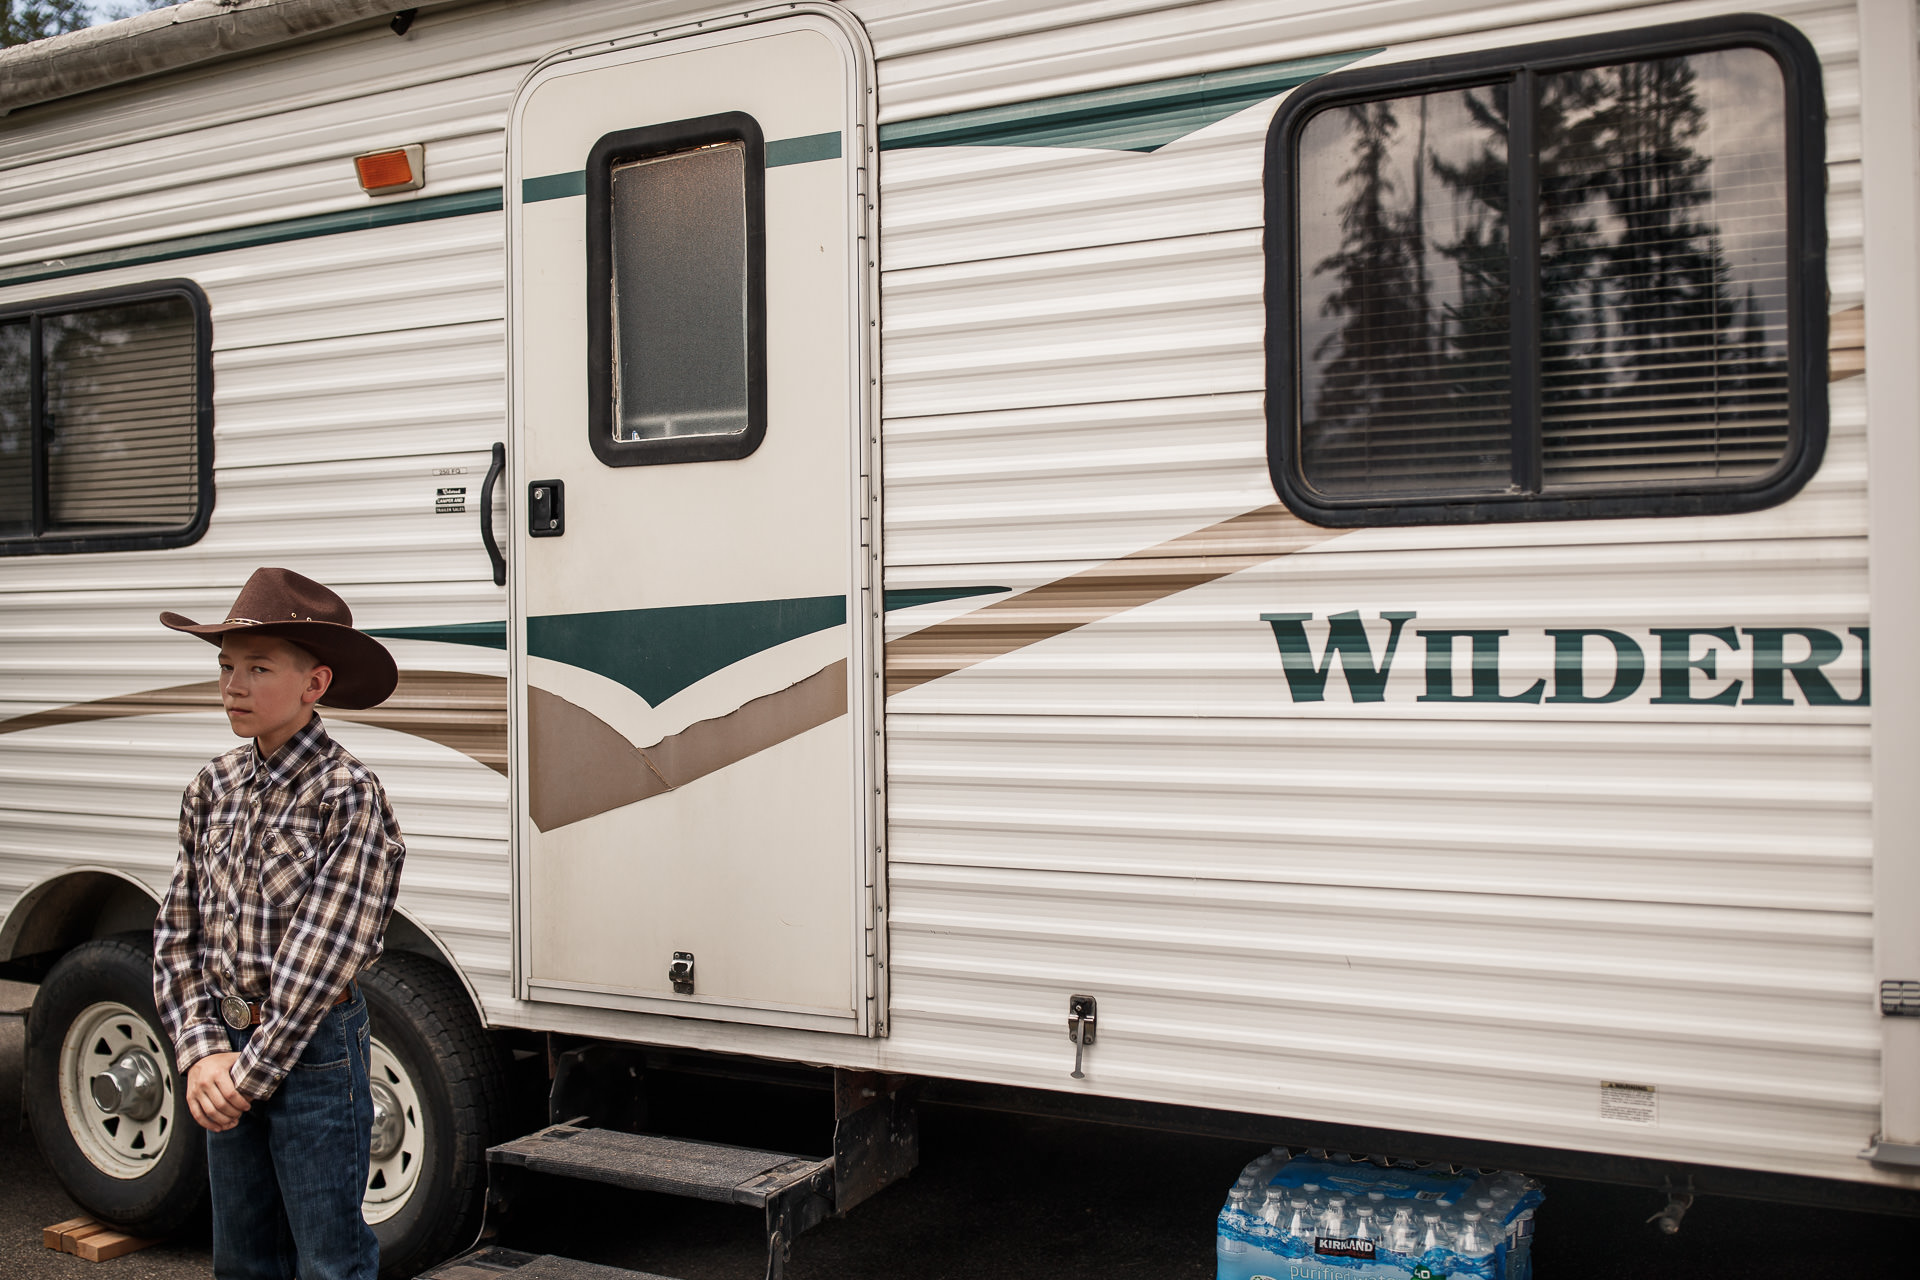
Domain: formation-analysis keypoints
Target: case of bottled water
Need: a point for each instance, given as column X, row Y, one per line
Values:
column 1332, row 1216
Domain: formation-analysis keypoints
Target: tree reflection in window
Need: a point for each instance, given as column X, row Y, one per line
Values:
column 1658, row 272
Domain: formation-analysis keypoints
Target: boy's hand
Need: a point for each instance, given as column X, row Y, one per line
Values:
column 215, row 1103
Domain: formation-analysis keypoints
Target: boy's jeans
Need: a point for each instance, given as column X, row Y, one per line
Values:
column 289, row 1178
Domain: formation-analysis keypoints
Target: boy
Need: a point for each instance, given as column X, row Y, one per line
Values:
column 289, row 863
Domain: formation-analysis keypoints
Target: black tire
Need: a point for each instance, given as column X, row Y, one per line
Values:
column 74, row 996
column 421, row 1015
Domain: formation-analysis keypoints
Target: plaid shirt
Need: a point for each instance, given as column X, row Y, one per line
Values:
column 287, row 874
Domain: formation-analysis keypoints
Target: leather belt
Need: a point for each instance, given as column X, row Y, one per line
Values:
column 241, row 1014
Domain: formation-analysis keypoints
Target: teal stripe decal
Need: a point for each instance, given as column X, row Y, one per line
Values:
column 1138, row 117
column 555, row 186
column 658, row 652
column 815, row 146
column 911, row 596
column 487, row 635
column 458, row 205
column 781, row 151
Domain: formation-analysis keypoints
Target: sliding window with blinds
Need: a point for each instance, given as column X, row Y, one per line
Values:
column 105, row 422
column 1551, row 282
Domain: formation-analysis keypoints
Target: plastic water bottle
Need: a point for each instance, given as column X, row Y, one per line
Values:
column 1433, row 1233
column 1272, row 1205
column 1401, row 1236
column 1233, row 1218
column 1300, row 1218
column 1333, row 1220
column 1364, row 1227
column 1472, row 1236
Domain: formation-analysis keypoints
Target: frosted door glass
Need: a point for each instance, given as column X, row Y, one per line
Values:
column 679, row 241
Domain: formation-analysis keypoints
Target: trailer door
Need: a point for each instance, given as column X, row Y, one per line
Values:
column 692, row 581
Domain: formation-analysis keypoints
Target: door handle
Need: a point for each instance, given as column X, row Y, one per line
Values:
column 486, row 515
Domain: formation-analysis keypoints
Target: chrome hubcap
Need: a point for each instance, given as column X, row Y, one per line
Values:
column 131, row 1087
column 389, row 1123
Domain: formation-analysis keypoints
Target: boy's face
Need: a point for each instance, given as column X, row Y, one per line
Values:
column 268, row 688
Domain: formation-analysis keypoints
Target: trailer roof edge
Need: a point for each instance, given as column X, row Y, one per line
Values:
column 170, row 39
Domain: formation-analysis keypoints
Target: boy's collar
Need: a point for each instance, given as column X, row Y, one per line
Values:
column 307, row 741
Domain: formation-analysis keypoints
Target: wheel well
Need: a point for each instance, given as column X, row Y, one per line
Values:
column 406, row 934
column 60, row 913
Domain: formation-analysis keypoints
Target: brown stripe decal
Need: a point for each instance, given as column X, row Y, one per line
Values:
column 454, row 708
column 204, row 696
column 581, row 766
column 1846, row 343
column 1098, row 593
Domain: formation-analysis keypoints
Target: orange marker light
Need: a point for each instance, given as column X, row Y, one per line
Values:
column 386, row 172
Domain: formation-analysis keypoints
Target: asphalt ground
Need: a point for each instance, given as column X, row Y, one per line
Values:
column 1001, row 1197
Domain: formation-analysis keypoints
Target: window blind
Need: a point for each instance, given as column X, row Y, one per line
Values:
column 122, row 421
column 1653, row 198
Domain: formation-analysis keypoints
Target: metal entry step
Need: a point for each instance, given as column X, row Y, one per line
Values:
column 673, row 1166
column 492, row 1264
column 795, row 1192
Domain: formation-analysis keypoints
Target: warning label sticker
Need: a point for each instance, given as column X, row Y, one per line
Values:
column 1629, row 1103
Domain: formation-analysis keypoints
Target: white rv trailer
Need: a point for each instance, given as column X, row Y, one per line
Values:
column 1339, row 540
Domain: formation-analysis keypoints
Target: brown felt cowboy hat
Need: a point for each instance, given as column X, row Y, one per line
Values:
column 279, row 602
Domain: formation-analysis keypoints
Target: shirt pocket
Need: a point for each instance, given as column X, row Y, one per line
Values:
column 288, row 856
column 214, row 861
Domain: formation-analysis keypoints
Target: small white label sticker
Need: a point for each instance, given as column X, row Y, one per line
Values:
column 450, row 502
column 1629, row 1103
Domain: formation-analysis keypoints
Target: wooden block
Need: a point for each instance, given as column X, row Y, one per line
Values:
column 91, row 1239
column 84, row 1229
column 52, row 1236
column 102, row 1245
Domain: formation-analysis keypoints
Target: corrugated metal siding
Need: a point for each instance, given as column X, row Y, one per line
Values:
column 1418, row 916
column 351, row 373
column 1448, row 923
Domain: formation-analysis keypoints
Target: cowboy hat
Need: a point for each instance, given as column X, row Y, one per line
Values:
column 280, row 602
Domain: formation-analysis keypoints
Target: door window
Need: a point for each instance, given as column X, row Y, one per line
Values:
column 677, row 277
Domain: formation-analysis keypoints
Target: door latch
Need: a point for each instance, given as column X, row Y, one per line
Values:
column 546, row 508
column 1082, row 1014
column 680, row 973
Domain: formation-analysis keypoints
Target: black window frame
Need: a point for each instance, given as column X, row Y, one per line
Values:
column 41, row 543
column 623, row 147
column 1806, row 245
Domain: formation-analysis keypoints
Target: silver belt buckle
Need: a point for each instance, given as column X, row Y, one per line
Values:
column 234, row 1012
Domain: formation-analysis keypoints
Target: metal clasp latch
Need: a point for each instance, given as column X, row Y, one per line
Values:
column 1900, row 998
column 680, row 973
column 546, row 508
column 1082, row 1014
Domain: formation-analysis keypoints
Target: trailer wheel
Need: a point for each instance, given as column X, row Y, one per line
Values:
column 103, row 1096
column 438, row 1089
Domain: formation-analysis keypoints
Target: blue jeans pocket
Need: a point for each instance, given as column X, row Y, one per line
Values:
column 327, row 1049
